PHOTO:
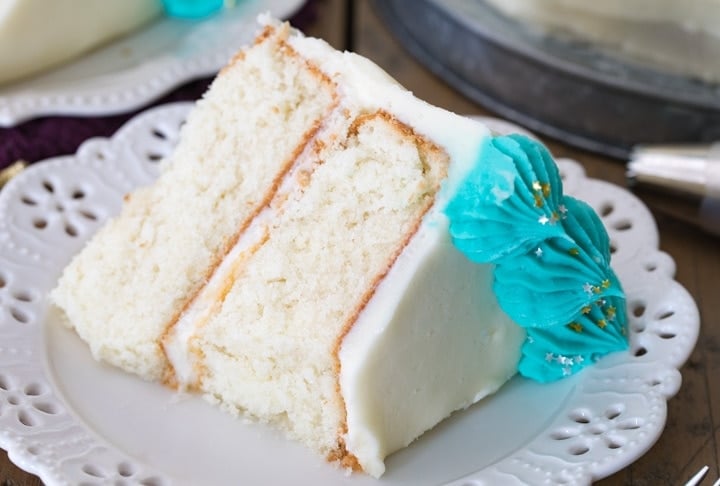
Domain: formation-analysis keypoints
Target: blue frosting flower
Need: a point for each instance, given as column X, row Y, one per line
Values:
column 551, row 254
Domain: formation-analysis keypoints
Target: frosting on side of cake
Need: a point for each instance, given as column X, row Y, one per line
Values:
column 402, row 371
column 37, row 34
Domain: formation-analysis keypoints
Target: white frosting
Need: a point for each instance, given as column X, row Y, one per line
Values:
column 678, row 36
column 38, row 34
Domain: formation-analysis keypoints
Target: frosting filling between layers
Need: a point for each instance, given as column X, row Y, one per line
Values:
column 177, row 343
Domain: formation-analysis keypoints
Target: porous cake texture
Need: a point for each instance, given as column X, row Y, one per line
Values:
column 293, row 264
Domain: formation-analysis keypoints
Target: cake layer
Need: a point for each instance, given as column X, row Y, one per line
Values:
column 145, row 266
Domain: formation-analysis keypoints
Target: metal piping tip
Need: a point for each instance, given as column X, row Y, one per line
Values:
column 694, row 169
column 680, row 180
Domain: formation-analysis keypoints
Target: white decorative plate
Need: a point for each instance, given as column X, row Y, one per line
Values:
column 133, row 70
column 74, row 421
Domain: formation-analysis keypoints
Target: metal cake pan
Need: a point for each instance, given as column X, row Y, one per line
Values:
column 564, row 89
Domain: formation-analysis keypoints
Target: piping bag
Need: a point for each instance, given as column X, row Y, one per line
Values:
column 680, row 180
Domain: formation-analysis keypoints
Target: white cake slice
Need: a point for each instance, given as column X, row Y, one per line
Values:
column 293, row 262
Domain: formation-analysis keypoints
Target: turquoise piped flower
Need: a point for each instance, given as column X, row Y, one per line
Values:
column 517, row 212
column 570, row 271
column 553, row 353
column 551, row 255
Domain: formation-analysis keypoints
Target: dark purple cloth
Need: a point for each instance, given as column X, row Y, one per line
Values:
column 46, row 137
column 60, row 135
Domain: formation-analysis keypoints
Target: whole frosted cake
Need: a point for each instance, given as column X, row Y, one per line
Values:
column 682, row 37
column 37, row 34
column 327, row 254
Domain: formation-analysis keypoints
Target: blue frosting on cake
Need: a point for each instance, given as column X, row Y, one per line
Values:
column 551, row 254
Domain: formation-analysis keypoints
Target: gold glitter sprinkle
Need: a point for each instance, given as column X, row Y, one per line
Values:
column 602, row 323
column 596, row 290
column 539, row 201
column 605, row 284
column 575, row 327
column 554, row 218
column 574, row 251
column 545, row 189
column 586, row 310
column 536, row 186
column 611, row 312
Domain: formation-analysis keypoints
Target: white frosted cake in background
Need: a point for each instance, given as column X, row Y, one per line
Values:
column 682, row 37
column 38, row 34
column 294, row 261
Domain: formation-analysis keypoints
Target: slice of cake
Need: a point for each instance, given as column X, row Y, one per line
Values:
column 294, row 261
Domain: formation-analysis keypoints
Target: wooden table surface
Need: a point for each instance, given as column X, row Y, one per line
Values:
column 692, row 434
